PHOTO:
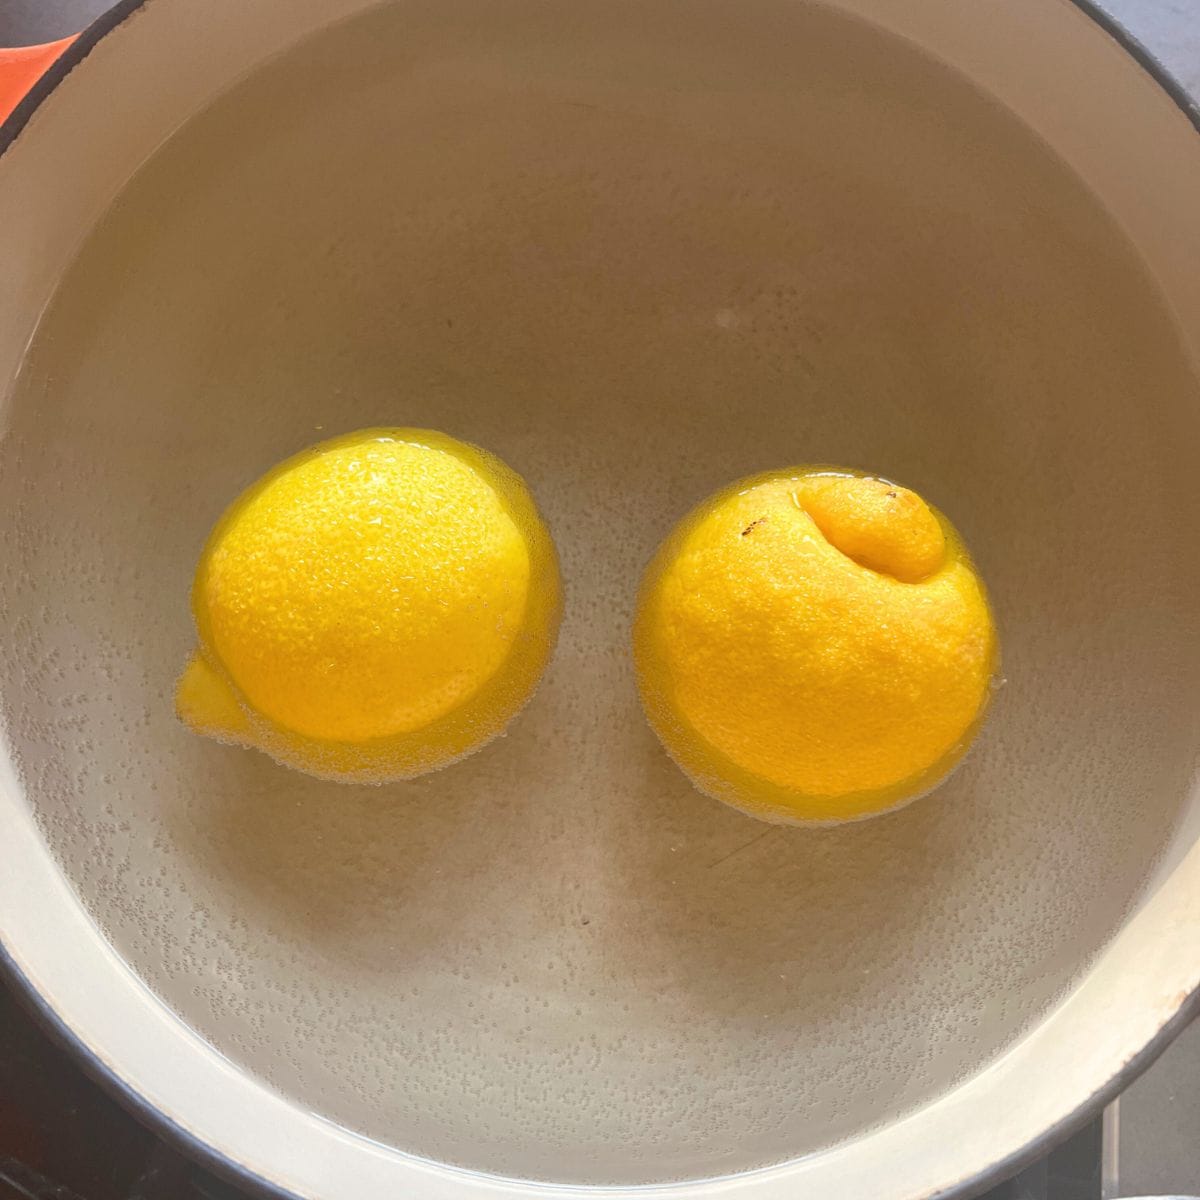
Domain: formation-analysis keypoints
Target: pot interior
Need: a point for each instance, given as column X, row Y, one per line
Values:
column 638, row 251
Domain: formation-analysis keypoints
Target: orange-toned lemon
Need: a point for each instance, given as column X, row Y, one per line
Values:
column 814, row 646
column 373, row 608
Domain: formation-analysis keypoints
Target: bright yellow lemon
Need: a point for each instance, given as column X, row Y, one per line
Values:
column 814, row 646
column 373, row 608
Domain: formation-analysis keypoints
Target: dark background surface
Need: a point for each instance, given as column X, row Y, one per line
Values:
column 62, row 1138
column 28, row 22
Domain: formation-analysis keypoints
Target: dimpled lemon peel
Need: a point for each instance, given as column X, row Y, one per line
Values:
column 814, row 646
column 374, row 608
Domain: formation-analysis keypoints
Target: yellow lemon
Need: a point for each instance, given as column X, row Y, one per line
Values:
column 373, row 608
column 814, row 646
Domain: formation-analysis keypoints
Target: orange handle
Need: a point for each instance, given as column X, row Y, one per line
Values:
column 22, row 67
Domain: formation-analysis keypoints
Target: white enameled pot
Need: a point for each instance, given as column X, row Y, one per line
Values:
column 638, row 248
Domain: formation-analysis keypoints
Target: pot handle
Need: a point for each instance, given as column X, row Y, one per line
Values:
column 22, row 66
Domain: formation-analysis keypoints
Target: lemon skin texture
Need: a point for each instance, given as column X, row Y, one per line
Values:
column 814, row 646
column 373, row 608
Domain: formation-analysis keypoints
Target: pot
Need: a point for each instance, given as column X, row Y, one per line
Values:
column 638, row 250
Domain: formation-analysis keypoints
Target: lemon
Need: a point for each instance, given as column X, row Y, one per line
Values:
column 814, row 646
column 373, row 608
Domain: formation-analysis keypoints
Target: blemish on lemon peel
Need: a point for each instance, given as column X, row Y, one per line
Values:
column 375, row 607
column 815, row 646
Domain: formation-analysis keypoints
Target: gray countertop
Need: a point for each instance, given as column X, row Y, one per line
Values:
column 1169, row 29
